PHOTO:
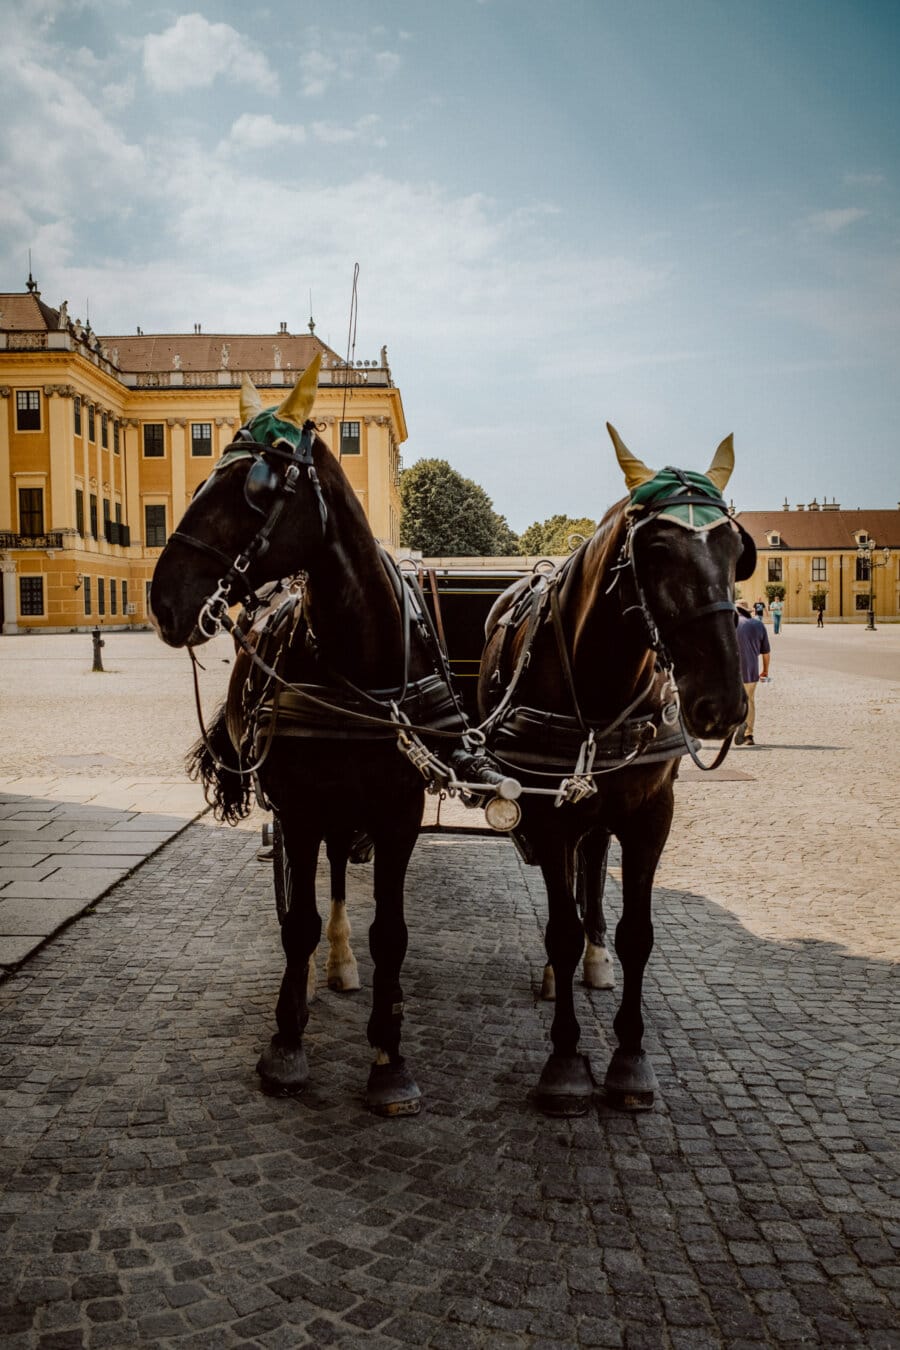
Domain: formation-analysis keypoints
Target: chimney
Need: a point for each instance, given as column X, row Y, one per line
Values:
column 283, row 327
column 786, row 507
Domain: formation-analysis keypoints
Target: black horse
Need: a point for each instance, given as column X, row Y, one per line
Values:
column 319, row 720
column 591, row 682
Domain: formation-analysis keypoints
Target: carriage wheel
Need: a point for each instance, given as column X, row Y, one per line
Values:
column 281, row 872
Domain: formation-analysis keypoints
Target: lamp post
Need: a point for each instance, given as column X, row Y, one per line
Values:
column 866, row 553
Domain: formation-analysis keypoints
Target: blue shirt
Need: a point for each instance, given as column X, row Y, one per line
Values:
column 752, row 641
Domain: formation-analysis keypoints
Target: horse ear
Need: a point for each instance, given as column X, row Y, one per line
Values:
column 298, row 404
column 635, row 472
column 722, row 466
column 251, row 403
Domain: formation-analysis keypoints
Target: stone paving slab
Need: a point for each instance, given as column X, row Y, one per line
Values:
column 59, row 856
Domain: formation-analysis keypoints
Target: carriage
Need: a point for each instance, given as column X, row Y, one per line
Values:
column 567, row 723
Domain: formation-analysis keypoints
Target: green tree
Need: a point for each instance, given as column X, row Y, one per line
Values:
column 775, row 590
column 551, row 536
column 447, row 515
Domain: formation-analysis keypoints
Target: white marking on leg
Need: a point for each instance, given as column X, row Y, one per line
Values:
column 312, row 979
column 598, row 968
column 341, row 970
column 548, row 984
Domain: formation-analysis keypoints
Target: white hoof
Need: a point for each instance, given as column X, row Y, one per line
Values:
column 548, row 985
column 598, row 968
column 343, row 975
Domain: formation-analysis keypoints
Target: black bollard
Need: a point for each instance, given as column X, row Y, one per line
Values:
column 98, row 644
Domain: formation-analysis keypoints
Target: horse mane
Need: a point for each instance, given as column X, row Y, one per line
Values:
column 602, row 548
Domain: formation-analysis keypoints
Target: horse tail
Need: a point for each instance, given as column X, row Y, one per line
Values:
column 214, row 762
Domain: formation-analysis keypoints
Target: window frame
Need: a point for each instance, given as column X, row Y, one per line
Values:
column 205, row 440
column 775, row 570
column 150, row 451
column 346, row 439
column 155, row 506
column 35, row 510
column 29, row 409
column 77, row 415
column 25, row 606
column 819, row 568
column 87, row 588
column 101, row 595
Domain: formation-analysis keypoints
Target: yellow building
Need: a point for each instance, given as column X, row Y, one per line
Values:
column 823, row 551
column 104, row 439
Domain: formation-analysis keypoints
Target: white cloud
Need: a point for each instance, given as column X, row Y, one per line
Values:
column 252, row 131
column 363, row 129
column 832, row 222
column 317, row 72
column 193, row 52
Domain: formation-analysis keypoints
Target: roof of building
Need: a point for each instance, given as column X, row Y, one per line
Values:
column 829, row 528
column 27, row 313
column 217, row 351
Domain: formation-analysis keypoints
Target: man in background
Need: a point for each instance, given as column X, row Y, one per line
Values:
column 753, row 642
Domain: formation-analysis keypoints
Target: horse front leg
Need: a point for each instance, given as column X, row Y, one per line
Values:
column 282, row 1067
column 566, row 1084
column 630, row 1082
column 341, row 970
column 591, row 864
column 391, row 1089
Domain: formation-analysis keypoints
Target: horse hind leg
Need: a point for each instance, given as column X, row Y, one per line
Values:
column 341, row 970
column 591, row 864
column 590, row 880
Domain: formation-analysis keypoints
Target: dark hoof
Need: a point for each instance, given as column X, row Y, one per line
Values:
column 630, row 1082
column 392, row 1090
column 566, row 1086
column 283, row 1072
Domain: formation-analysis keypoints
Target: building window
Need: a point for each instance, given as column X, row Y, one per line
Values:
column 862, row 571
column 124, row 597
column 104, row 430
column 349, row 438
column 154, row 442
column 28, row 410
column 77, row 414
column 92, row 428
column 116, row 436
column 31, row 595
column 775, row 569
column 862, row 601
column 79, row 510
column 101, row 595
column 201, row 438
column 87, row 595
column 818, row 569
column 147, row 585
column 154, row 526
column 113, row 596
column 93, row 506
column 31, row 512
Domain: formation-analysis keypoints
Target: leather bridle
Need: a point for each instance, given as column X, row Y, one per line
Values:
column 262, row 482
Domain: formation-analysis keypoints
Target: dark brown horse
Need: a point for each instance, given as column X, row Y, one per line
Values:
column 320, row 723
column 591, row 682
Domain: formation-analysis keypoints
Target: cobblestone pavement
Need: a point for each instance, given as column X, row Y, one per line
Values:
column 152, row 1196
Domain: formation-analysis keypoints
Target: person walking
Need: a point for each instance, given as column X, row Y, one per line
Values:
column 820, row 621
column 776, row 609
column 753, row 642
column 759, row 608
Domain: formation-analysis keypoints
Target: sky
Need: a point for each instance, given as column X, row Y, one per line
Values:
column 678, row 216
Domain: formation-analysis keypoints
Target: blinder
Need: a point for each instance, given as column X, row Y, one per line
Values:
column 746, row 563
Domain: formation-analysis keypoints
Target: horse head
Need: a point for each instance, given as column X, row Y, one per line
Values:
column 260, row 516
column 684, row 552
